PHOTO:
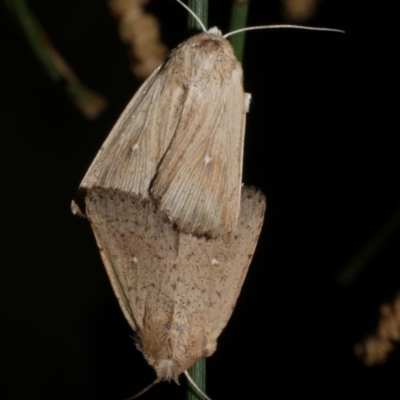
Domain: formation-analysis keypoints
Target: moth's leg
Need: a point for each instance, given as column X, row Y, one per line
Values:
column 247, row 99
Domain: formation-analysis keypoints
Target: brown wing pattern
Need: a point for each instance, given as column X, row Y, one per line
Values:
column 181, row 136
column 199, row 180
column 176, row 290
column 129, row 157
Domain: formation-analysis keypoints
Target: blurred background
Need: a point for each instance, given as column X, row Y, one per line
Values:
column 322, row 143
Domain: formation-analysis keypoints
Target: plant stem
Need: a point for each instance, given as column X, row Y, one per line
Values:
column 238, row 21
column 90, row 103
column 198, row 370
column 198, row 374
column 353, row 268
column 200, row 8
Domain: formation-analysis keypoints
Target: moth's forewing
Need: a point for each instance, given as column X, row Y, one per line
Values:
column 176, row 290
column 199, row 181
column 133, row 240
column 220, row 266
column 181, row 137
column 129, row 157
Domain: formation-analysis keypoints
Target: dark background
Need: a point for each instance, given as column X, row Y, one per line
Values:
column 322, row 143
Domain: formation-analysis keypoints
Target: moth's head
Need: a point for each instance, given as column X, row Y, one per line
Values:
column 169, row 366
column 214, row 31
column 171, row 349
column 208, row 47
column 167, row 369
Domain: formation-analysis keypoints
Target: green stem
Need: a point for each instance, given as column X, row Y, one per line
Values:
column 353, row 268
column 238, row 21
column 90, row 103
column 198, row 370
column 198, row 374
column 200, row 8
column 34, row 34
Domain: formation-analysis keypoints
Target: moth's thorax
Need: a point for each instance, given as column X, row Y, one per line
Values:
column 207, row 52
column 208, row 42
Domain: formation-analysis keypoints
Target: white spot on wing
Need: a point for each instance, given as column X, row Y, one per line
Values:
column 134, row 260
column 214, row 261
column 134, row 147
column 207, row 159
column 247, row 100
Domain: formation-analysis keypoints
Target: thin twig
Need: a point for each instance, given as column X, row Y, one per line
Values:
column 90, row 103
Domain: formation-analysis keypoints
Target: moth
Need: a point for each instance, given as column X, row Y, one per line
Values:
column 176, row 290
column 175, row 228
column 179, row 141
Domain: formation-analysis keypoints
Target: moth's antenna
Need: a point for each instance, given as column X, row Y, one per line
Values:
column 193, row 15
column 193, row 383
column 135, row 396
column 307, row 28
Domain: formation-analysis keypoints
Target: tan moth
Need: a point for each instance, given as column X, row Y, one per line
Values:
column 179, row 141
column 176, row 290
column 175, row 228
column 176, row 286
